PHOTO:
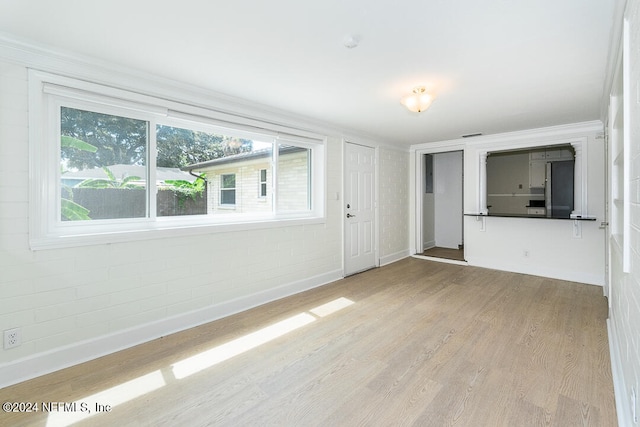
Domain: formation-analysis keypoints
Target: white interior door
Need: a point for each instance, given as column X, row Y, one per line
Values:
column 359, row 199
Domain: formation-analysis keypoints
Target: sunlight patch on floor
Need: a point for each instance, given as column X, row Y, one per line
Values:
column 208, row 358
column 331, row 307
column 105, row 400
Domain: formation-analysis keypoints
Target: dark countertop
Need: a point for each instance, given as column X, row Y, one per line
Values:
column 498, row 215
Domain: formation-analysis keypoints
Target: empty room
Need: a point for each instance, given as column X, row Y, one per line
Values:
column 320, row 213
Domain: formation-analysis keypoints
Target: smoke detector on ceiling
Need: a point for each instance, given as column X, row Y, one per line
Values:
column 350, row 41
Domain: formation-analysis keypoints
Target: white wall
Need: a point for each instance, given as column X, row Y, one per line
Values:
column 393, row 204
column 545, row 247
column 447, row 188
column 549, row 243
column 624, row 316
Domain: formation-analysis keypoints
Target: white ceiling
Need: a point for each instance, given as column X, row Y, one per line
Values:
column 494, row 65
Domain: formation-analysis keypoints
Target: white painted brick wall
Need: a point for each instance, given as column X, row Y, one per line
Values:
column 393, row 201
column 625, row 311
column 61, row 297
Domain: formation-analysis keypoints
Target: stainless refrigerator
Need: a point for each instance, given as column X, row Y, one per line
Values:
column 559, row 189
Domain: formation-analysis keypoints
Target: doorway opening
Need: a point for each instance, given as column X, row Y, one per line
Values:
column 445, row 253
column 441, row 210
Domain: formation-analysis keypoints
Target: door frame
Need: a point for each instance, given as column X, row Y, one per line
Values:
column 376, row 233
column 417, row 171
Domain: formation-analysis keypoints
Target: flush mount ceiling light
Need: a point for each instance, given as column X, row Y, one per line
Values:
column 418, row 101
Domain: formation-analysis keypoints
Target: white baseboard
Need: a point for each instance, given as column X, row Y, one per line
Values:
column 619, row 387
column 537, row 270
column 64, row 357
column 389, row 259
column 428, row 245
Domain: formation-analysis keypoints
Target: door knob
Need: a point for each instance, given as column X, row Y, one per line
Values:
column 350, row 216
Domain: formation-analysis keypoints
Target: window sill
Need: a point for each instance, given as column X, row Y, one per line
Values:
column 163, row 229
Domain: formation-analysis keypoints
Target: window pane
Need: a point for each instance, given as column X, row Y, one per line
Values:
column 179, row 192
column 229, row 181
column 224, row 162
column 103, row 163
column 294, row 167
column 228, row 189
column 236, row 170
column 228, row 197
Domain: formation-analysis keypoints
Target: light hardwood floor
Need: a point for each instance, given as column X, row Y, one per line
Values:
column 422, row 343
column 446, row 253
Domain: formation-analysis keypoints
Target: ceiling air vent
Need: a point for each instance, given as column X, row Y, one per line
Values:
column 471, row 135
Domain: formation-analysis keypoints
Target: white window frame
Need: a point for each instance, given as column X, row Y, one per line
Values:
column 47, row 92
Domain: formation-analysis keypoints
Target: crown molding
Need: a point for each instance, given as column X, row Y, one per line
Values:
column 535, row 135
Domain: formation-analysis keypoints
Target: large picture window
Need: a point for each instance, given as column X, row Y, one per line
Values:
column 108, row 166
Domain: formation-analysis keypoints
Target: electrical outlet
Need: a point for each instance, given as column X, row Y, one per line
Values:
column 12, row 338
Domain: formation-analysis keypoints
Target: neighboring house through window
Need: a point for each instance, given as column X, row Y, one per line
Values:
column 244, row 179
